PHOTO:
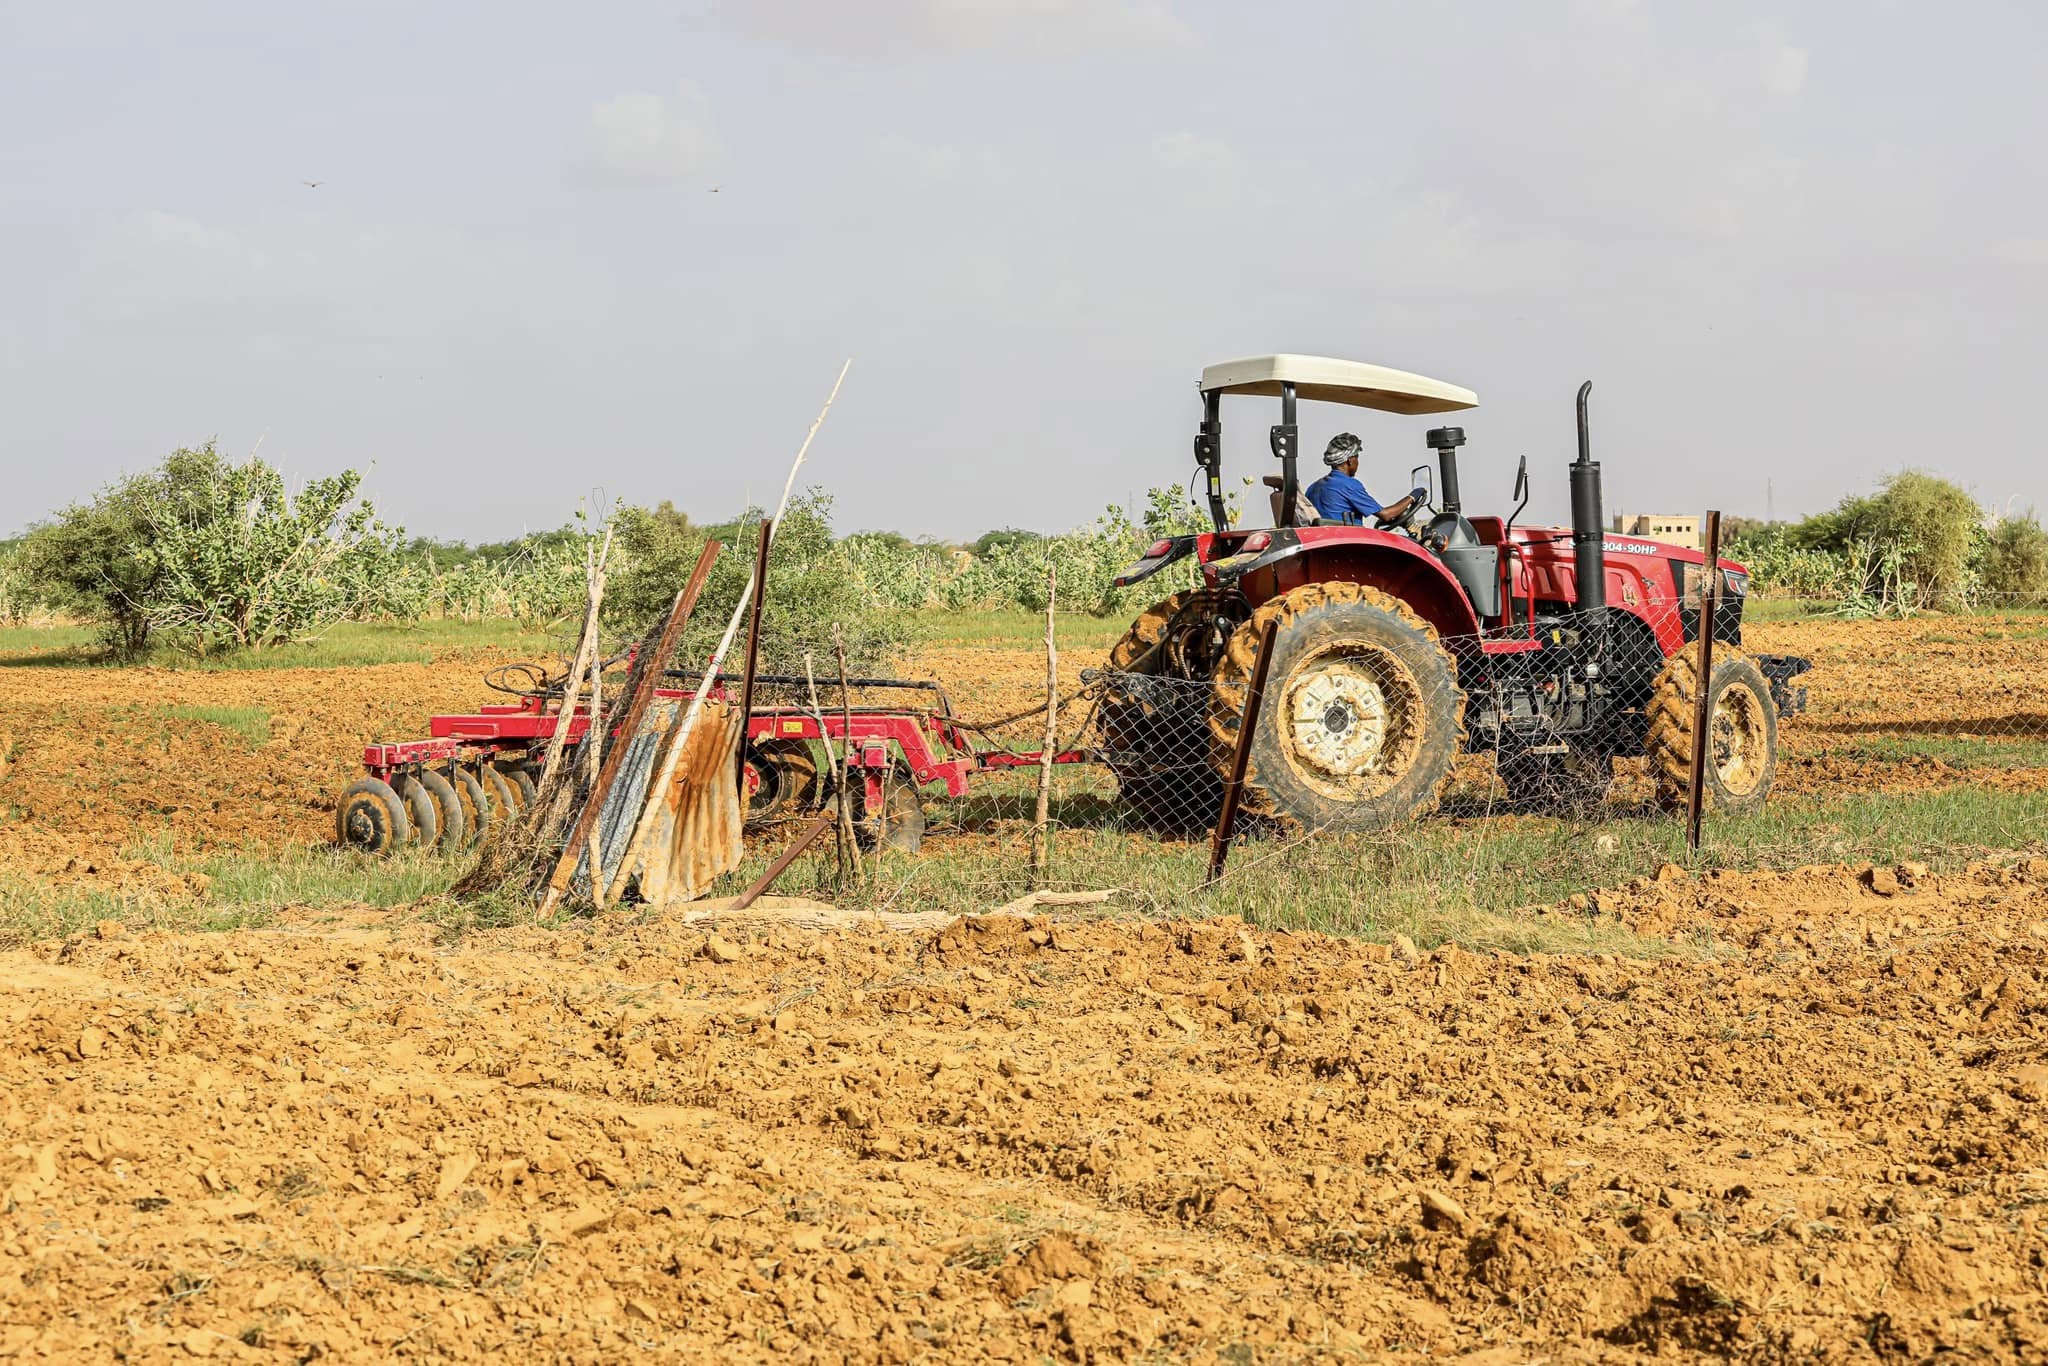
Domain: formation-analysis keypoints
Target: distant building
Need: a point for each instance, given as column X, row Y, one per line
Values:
column 1671, row 529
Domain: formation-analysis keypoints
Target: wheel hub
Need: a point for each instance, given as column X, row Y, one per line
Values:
column 1735, row 737
column 1339, row 716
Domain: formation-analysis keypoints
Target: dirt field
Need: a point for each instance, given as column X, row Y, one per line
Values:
column 97, row 761
column 1027, row 1139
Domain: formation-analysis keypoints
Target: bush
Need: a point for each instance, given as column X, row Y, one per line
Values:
column 1914, row 543
column 813, row 585
column 2015, row 558
column 208, row 555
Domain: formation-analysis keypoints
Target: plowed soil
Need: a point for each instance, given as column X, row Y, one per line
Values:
column 94, row 762
column 1821, row 1138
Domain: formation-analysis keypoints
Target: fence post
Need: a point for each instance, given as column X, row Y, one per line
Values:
column 1041, row 832
column 1703, row 710
column 1255, row 691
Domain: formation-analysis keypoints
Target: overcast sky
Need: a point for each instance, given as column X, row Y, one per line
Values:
column 1794, row 245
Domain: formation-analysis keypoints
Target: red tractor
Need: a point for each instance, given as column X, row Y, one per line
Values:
column 1400, row 645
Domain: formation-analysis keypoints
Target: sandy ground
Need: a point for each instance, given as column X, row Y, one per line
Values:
column 1018, row 1140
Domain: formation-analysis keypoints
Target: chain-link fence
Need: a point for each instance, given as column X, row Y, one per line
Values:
column 1494, row 768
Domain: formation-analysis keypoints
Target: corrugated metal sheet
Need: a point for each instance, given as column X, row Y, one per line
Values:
column 687, row 854
column 698, row 836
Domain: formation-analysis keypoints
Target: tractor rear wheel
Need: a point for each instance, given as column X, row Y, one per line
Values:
column 1153, row 735
column 1575, row 782
column 1362, row 718
column 371, row 817
column 1742, row 732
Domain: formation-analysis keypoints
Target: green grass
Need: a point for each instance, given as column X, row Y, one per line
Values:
column 347, row 645
column 1464, row 880
column 1445, row 880
column 1983, row 752
column 243, row 888
column 1016, row 630
column 251, row 723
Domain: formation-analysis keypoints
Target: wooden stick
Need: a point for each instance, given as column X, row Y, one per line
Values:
column 572, row 686
column 860, row 873
column 1703, row 711
column 678, row 736
column 754, row 640
column 1240, row 757
column 593, row 738
column 843, row 843
column 1041, row 839
column 640, row 689
column 788, row 856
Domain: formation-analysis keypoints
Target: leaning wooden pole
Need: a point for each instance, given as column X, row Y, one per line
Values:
column 678, row 736
column 1703, row 703
column 640, row 690
column 1041, row 835
column 754, row 637
column 551, row 774
column 847, row 770
column 809, row 837
column 1240, row 756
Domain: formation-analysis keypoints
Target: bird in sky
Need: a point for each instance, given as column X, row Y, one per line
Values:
column 715, row 189
column 312, row 184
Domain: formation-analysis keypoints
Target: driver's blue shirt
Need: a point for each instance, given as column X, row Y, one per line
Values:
column 1337, row 497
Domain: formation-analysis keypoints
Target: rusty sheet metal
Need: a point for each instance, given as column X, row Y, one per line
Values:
column 698, row 835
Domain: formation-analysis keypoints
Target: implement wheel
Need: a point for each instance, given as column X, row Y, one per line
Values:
column 1153, row 733
column 1742, row 732
column 453, row 821
column 476, row 804
column 420, row 809
column 1362, row 719
column 521, row 777
column 785, row 780
column 900, row 822
column 504, row 801
column 371, row 817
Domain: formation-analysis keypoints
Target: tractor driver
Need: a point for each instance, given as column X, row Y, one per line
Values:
column 1338, row 496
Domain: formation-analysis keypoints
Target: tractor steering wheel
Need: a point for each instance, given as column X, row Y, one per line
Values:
column 1412, row 522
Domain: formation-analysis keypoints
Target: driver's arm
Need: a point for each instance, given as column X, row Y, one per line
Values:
column 1395, row 512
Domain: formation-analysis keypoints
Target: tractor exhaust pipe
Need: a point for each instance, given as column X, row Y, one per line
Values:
column 1589, row 543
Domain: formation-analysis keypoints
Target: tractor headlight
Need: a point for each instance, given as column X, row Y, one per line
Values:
column 1735, row 583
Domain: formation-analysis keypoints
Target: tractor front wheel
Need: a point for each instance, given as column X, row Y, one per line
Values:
column 1742, row 732
column 1362, row 718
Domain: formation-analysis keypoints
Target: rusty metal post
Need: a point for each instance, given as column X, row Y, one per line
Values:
column 1703, row 711
column 754, row 636
column 639, row 697
column 818, row 826
column 1240, row 757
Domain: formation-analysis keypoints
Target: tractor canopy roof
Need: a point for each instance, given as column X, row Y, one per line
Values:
column 1338, row 381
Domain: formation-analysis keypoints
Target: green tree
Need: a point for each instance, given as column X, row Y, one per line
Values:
column 95, row 558
column 209, row 555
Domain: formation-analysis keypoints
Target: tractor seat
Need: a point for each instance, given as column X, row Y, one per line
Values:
column 1304, row 510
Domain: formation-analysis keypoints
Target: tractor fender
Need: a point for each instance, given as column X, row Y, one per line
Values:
column 1392, row 563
